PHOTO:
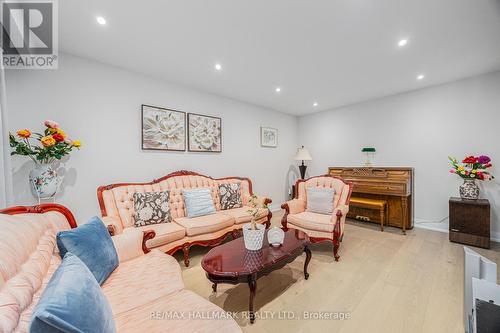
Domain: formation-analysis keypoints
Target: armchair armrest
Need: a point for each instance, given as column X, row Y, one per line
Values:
column 342, row 209
column 294, row 206
column 262, row 202
column 131, row 243
column 113, row 224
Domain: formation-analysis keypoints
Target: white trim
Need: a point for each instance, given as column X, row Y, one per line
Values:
column 444, row 227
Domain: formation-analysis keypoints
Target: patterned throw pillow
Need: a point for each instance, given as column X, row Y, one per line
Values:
column 230, row 195
column 151, row 208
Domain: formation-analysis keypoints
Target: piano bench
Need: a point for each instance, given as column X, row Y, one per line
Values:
column 375, row 204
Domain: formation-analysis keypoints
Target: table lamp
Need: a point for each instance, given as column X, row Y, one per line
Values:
column 303, row 155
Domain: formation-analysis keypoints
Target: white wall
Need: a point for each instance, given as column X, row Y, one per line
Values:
column 100, row 105
column 417, row 129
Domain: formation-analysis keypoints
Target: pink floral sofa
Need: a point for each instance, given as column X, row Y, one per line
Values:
column 117, row 209
column 319, row 227
column 143, row 290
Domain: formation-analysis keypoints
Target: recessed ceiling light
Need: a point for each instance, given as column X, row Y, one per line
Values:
column 315, row 104
column 101, row 20
column 402, row 42
column 420, row 77
column 278, row 89
column 218, row 67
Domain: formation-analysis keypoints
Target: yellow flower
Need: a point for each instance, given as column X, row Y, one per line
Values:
column 60, row 131
column 474, row 171
column 48, row 141
column 463, row 172
column 460, row 168
column 52, row 130
column 77, row 144
column 24, row 133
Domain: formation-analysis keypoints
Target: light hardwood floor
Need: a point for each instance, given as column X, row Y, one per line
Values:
column 386, row 281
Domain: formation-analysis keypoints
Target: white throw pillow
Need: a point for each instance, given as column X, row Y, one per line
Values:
column 320, row 200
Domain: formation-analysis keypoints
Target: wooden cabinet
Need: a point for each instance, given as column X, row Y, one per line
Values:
column 470, row 222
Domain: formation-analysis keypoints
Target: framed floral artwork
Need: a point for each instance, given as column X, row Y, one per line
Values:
column 163, row 129
column 204, row 133
column 268, row 137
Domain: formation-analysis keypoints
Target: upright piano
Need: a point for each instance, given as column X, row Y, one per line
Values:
column 393, row 184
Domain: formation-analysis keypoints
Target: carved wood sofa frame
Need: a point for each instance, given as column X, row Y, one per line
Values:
column 187, row 245
column 43, row 208
column 337, row 237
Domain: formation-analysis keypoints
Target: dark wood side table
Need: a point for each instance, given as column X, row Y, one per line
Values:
column 470, row 222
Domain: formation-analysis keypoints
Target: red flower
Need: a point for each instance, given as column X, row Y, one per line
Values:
column 480, row 175
column 58, row 137
column 470, row 160
column 488, row 165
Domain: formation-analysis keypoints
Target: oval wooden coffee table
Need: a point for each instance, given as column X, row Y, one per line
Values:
column 232, row 263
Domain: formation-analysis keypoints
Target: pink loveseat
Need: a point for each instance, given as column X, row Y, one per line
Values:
column 143, row 291
column 319, row 227
column 117, row 209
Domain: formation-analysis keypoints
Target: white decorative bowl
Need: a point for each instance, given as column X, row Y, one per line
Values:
column 253, row 238
column 275, row 236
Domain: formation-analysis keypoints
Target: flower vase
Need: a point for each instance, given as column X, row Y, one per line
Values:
column 469, row 190
column 253, row 238
column 44, row 181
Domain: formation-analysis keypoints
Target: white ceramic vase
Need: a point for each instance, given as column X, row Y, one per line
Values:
column 253, row 238
column 44, row 181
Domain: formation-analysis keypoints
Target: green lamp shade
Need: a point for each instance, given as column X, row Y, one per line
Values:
column 368, row 150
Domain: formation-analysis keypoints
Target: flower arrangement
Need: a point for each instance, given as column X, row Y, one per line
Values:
column 54, row 143
column 472, row 167
column 254, row 211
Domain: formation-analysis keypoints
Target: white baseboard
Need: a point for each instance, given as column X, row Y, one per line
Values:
column 443, row 227
column 274, row 208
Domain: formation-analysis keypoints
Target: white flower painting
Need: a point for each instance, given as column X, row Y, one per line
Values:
column 268, row 137
column 163, row 129
column 204, row 133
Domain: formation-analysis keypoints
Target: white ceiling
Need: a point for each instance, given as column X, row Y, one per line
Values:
column 335, row 52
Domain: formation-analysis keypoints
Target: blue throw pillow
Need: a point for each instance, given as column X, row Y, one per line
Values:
column 72, row 302
column 91, row 243
column 198, row 202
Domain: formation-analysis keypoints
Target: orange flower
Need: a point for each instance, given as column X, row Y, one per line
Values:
column 24, row 133
column 48, row 141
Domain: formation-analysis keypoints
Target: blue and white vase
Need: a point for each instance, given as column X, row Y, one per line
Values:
column 469, row 190
column 44, row 181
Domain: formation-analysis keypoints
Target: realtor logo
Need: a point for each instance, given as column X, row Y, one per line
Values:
column 29, row 34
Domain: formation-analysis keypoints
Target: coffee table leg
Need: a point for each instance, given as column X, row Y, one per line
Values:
column 306, row 263
column 252, row 283
column 214, row 287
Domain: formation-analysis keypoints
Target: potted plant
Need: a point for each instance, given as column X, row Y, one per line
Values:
column 52, row 145
column 470, row 169
column 253, row 233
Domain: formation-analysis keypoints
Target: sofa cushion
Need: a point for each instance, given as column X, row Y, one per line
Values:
column 205, row 224
column 142, row 280
column 198, row 202
column 320, row 200
column 230, row 195
column 72, row 289
column 154, row 316
column 241, row 215
column 151, row 208
column 312, row 221
column 165, row 233
column 91, row 243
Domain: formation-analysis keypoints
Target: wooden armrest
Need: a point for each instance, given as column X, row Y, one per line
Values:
column 147, row 235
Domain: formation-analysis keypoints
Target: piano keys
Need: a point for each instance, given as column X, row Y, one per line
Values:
column 393, row 184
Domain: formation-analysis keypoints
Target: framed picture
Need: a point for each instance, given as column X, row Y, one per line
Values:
column 204, row 133
column 163, row 129
column 268, row 137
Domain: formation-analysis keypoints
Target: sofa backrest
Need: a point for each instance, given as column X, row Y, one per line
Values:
column 342, row 188
column 116, row 200
column 28, row 258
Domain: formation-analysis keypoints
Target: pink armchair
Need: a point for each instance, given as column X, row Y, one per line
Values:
column 319, row 227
